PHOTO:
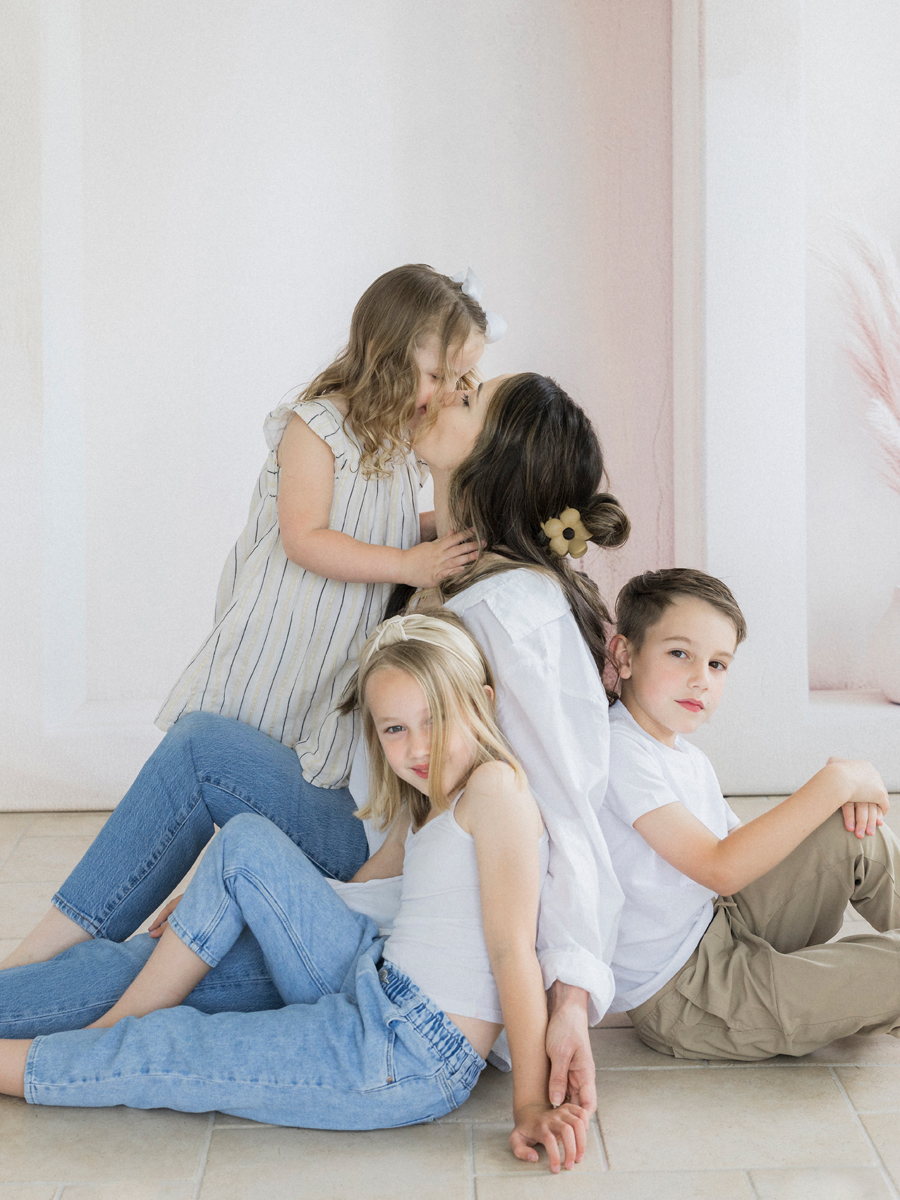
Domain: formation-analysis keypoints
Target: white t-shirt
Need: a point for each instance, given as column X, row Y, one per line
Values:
column 665, row 913
column 552, row 708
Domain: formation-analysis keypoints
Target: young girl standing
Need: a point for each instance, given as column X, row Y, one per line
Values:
column 374, row 1033
column 333, row 524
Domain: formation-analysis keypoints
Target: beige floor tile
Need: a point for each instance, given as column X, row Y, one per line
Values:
column 494, row 1157
column 623, row 1048
column 36, row 859
column 100, row 1144
column 727, row 1118
column 893, row 815
column 14, row 823
column 23, row 905
column 851, row 1183
column 424, row 1162
column 872, row 1089
column 617, row 1185
column 490, row 1100
column 7, row 945
column 884, row 1130
column 227, row 1121
column 130, row 1190
column 84, row 824
column 27, row 1191
column 8, row 843
column 614, row 1021
column 12, row 827
column 865, row 1051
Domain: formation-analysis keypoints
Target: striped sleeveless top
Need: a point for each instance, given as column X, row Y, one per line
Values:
column 285, row 641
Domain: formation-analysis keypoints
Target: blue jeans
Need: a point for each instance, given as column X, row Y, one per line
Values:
column 353, row 1047
column 206, row 770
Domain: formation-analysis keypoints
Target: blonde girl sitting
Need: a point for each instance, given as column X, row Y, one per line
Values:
column 374, row 1032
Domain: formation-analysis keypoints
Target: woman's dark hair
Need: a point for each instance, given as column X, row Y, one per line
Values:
column 536, row 456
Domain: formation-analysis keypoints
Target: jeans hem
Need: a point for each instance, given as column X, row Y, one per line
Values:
column 89, row 926
column 30, row 1086
column 192, row 944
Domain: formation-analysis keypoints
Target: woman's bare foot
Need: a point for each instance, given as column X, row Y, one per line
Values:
column 52, row 934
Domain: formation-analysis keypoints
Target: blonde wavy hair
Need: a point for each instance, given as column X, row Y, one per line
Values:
column 449, row 666
column 376, row 372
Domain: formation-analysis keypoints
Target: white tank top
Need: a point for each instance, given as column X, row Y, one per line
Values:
column 438, row 939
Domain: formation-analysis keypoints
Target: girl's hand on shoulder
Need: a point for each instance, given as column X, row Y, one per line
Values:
column 157, row 927
column 428, row 563
column 541, row 1125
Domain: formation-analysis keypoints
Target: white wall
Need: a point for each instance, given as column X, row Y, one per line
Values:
column 199, row 192
column 770, row 733
column 853, row 170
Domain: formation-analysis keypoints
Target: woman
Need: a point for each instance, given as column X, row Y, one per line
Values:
column 506, row 459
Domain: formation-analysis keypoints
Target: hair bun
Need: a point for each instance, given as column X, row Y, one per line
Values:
column 605, row 520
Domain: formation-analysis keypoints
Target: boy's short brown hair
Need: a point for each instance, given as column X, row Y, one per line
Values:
column 644, row 599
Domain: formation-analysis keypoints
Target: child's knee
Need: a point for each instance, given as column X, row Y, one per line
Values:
column 833, row 839
column 191, row 727
column 251, row 838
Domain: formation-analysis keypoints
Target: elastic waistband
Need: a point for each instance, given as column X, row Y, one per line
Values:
column 432, row 1024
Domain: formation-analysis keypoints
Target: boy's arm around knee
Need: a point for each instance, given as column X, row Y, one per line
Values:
column 726, row 865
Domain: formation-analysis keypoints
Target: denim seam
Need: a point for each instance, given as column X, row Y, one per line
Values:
column 389, row 1068
column 30, row 1087
column 275, row 1085
column 310, row 966
column 86, row 923
column 246, row 800
column 170, row 833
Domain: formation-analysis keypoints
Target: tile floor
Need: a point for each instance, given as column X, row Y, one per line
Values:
column 826, row 1127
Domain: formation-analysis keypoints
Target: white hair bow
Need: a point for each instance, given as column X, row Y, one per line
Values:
column 474, row 288
column 393, row 629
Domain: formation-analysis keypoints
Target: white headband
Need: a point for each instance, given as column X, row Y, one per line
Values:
column 474, row 288
column 395, row 629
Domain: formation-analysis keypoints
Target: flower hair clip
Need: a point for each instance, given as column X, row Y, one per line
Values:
column 566, row 534
column 474, row 289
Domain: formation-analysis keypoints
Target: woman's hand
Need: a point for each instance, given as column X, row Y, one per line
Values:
column 157, row 926
column 572, row 1069
column 539, row 1124
column 428, row 563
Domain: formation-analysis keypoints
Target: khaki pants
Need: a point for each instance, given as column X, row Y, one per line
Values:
column 762, row 980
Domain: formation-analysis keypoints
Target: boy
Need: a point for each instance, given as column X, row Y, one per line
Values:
column 721, row 950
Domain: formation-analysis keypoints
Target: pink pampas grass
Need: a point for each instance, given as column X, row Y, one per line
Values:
column 872, row 283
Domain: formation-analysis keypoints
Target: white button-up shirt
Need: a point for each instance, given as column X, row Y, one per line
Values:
column 552, row 708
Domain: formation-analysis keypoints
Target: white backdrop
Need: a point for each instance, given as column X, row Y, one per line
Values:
column 758, row 519
column 853, row 171
column 198, row 192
